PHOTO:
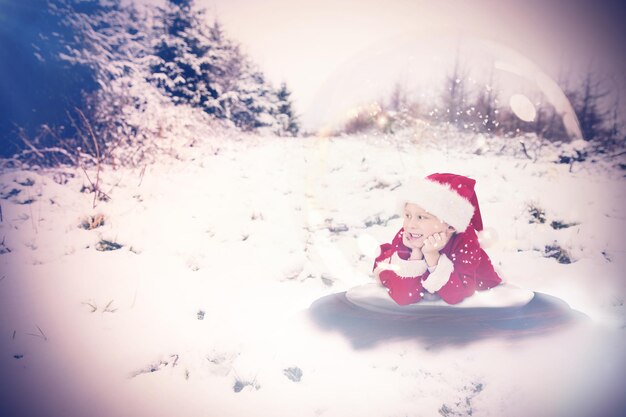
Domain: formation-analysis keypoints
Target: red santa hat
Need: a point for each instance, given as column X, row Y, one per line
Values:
column 450, row 197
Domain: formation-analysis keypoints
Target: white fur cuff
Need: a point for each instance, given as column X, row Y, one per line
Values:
column 440, row 277
column 402, row 268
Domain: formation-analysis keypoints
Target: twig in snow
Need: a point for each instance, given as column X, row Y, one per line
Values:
column 63, row 149
column 143, row 171
column 96, row 188
column 106, row 308
column 90, row 130
column 93, row 307
column 42, row 334
column 39, row 152
column 3, row 246
column 398, row 184
column 14, row 331
column 93, row 222
column 617, row 154
column 30, row 145
column 80, row 133
column 87, row 175
column 0, row 213
column 157, row 366
column 524, row 149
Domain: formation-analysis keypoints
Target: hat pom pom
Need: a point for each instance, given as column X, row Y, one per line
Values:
column 487, row 237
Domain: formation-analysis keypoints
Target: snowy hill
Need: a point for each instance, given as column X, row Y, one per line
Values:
column 184, row 288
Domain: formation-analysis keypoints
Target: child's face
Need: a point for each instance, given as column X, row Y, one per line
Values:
column 418, row 225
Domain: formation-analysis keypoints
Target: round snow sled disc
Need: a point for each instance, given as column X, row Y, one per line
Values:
column 367, row 316
column 374, row 297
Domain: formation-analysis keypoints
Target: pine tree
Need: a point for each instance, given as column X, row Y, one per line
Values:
column 486, row 106
column 285, row 114
column 185, row 68
column 454, row 95
column 254, row 102
column 199, row 65
column 246, row 98
column 586, row 102
column 398, row 98
column 229, row 66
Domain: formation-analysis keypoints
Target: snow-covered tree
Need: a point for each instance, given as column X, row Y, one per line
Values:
column 587, row 102
column 398, row 99
column 227, row 56
column 199, row 65
column 127, row 116
column 254, row 103
column 455, row 95
column 100, row 79
column 285, row 114
column 486, row 105
column 246, row 98
column 186, row 68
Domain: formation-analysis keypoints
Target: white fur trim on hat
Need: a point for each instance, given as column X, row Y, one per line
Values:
column 439, row 200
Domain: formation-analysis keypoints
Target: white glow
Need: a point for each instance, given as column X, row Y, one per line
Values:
column 487, row 237
column 523, row 107
column 368, row 245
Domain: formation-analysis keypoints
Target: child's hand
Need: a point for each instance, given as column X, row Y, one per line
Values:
column 435, row 242
column 416, row 254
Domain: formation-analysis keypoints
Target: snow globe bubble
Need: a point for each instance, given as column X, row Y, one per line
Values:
column 462, row 96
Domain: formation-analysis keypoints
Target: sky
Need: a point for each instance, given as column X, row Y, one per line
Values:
column 315, row 46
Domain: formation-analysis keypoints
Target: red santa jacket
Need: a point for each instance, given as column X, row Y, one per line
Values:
column 462, row 269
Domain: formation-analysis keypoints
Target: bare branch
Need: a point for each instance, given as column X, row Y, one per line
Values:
column 524, row 149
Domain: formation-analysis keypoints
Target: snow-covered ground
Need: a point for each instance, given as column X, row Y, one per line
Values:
column 185, row 291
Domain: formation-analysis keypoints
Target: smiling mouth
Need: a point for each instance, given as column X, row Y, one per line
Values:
column 412, row 236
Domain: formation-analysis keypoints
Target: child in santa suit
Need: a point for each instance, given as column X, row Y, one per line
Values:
column 436, row 254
